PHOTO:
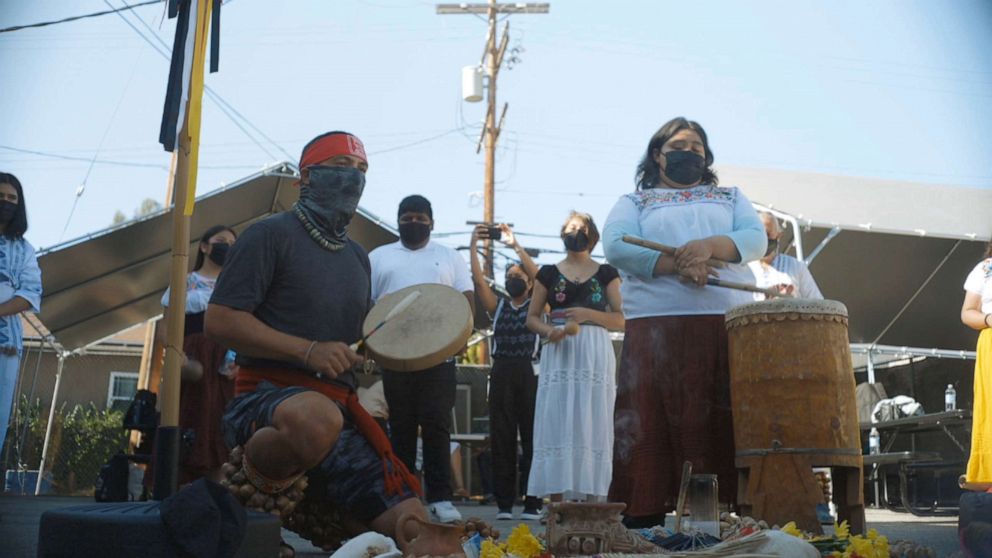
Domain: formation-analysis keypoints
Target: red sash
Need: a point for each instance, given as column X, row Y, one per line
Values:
column 396, row 473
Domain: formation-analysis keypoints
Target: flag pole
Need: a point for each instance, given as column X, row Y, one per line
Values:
column 168, row 437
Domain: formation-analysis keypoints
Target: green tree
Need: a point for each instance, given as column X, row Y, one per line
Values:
column 147, row 207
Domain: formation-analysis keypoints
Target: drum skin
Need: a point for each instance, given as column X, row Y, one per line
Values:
column 430, row 331
column 791, row 381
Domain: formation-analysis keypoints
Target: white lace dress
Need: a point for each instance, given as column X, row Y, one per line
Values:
column 573, row 418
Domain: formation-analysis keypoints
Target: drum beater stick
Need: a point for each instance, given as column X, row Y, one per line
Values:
column 670, row 251
column 683, row 489
column 403, row 305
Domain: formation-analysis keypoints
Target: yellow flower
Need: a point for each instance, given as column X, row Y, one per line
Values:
column 842, row 531
column 874, row 546
column 791, row 529
column 490, row 550
column 522, row 543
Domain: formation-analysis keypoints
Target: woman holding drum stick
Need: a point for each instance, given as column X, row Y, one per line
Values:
column 673, row 392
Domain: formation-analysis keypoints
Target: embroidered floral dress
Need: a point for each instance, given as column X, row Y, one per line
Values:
column 573, row 419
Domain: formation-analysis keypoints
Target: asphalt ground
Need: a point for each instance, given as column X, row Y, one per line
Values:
column 20, row 517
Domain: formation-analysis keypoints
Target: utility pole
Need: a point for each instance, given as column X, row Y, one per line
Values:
column 492, row 60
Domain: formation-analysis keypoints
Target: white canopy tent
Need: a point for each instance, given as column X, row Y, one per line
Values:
column 896, row 253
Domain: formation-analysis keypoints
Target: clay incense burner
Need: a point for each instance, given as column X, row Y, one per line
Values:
column 578, row 528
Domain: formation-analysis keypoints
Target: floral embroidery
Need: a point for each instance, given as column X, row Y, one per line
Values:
column 560, row 289
column 987, row 268
column 663, row 196
column 597, row 291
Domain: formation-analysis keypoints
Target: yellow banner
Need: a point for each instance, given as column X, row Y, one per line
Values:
column 196, row 97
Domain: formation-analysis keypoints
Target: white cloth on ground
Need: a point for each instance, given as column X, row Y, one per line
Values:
column 368, row 545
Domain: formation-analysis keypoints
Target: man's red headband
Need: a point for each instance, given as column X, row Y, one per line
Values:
column 331, row 146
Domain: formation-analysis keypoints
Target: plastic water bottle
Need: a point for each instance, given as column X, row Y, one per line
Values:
column 874, row 442
column 950, row 398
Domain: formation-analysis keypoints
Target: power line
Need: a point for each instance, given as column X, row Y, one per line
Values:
column 82, row 187
column 111, row 162
column 418, row 142
column 74, row 18
column 223, row 105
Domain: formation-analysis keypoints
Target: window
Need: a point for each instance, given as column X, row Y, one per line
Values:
column 123, row 386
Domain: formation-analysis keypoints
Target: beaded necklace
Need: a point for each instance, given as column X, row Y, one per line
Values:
column 332, row 244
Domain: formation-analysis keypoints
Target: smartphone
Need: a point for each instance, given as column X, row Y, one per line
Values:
column 495, row 233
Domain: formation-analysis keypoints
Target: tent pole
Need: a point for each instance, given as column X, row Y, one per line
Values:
column 871, row 368
column 48, row 427
column 823, row 244
column 168, row 436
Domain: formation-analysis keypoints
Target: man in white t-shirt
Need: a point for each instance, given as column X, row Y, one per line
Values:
column 423, row 398
column 781, row 271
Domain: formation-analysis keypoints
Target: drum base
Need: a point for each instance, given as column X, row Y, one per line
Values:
column 781, row 487
column 125, row 530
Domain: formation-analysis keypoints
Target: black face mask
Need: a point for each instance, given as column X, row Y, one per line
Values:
column 515, row 286
column 684, row 167
column 576, row 241
column 414, row 233
column 328, row 202
column 218, row 252
column 772, row 247
column 7, row 211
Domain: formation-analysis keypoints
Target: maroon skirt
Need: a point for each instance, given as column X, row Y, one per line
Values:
column 673, row 405
column 201, row 407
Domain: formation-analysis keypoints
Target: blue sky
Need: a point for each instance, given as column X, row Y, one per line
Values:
column 888, row 89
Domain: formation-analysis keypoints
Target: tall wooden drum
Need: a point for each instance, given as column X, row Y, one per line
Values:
column 792, row 393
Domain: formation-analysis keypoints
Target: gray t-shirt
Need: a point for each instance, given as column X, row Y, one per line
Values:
column 291, row 284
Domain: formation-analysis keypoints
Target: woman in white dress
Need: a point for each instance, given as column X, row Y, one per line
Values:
column 573, row 419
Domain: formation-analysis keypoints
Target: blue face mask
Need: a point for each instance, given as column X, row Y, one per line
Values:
column 684, row 167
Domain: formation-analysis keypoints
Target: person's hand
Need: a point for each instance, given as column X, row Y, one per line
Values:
column 331, row 358
column 579, row 315
column 788, row 290
column 692, row 253
column 480, row 232
column 507, row 237
column 697, row 274
column 556, row 334
column 190, row 370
